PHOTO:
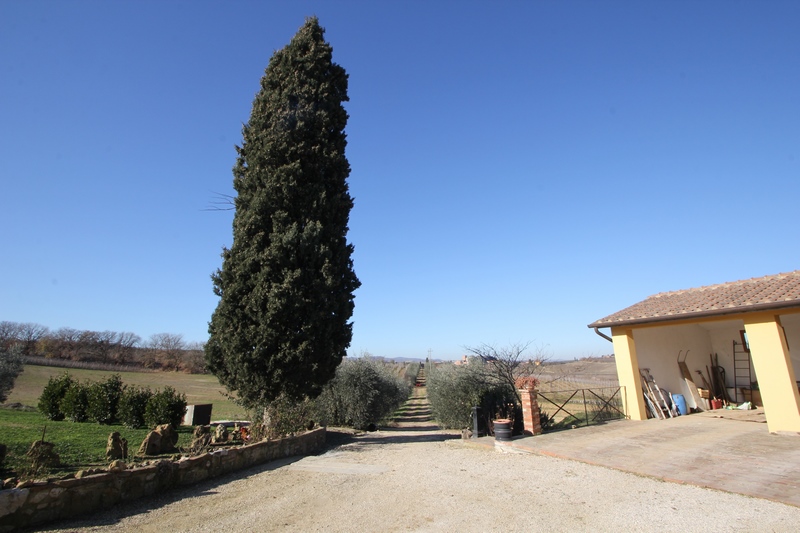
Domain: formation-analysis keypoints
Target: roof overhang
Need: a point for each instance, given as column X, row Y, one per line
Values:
column 700, row 315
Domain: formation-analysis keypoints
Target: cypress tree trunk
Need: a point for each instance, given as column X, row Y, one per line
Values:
column 286, row 285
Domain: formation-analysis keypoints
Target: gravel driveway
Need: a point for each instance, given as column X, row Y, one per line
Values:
column 420, row 479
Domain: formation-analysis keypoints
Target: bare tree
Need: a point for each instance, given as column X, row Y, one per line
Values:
column 513, row 361
column 62, row 344
column 9, row 334
column 87, row 344
column 29, row 334
column 194, row 359
column 125, row 346
column 166, row 349
column 104, row 344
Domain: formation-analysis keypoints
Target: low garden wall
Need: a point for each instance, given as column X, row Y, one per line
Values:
column 39, row 502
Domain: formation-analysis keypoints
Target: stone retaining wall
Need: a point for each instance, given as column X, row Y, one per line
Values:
column 54, row 500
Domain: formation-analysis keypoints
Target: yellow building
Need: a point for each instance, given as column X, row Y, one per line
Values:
column 747, row 328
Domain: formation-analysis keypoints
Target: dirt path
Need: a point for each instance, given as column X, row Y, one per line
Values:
column 413, row 477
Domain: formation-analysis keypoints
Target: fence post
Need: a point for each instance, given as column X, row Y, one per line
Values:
column 526, row 387
column 585, row 409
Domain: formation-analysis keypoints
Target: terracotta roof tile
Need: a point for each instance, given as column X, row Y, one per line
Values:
column 768, row 292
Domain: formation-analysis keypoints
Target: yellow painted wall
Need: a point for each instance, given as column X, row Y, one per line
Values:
column 628, row 373
column 776, row 377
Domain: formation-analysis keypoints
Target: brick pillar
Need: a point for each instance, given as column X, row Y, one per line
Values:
column 530, row 411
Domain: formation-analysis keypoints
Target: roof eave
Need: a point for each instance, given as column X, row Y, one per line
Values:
column 700, row 314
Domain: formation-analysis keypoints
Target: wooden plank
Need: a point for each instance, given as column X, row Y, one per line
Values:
column 650, row 398
column 687, row 376
column 652, row 388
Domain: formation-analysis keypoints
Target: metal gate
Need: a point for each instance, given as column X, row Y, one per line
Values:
column 580, row 407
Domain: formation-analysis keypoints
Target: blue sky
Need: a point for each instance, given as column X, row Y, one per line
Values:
column 519, row 169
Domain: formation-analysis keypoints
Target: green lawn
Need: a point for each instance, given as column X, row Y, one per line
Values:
column 199, row 388
column 82, row 445
column 79, row 445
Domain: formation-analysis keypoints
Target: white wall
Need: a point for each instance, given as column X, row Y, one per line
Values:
column 722, row 346
column 658, row 349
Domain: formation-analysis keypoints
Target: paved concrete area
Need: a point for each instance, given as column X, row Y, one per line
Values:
column 725, row 450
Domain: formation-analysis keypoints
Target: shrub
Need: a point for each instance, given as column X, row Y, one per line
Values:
column 132, row 406
column 362, row 393
column 454, row 390
column 52, row 395
column 103, row 398
column 75, row 403
column 165, row 407
column 282, row 417
column 10, row 367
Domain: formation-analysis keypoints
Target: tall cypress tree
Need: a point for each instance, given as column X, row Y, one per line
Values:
column 286, row 285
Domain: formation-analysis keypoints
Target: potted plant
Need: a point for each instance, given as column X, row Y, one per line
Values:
column 502, row 429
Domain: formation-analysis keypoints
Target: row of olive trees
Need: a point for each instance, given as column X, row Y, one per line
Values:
column 363, row 392
column 165, row 351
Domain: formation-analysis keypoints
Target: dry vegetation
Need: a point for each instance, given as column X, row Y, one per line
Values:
column 585, row 373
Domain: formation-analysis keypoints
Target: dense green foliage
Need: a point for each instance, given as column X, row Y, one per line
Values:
column 75, row 404
column 282, row 325
column 363, row 392
column 64, row 397
column 10, row 367
column 454, row 390
column 165, row 406
column 103, row 397
column 52, row 395
column 132, row 406
column 108, row 401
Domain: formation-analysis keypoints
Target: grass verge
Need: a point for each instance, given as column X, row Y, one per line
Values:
column 83, row 445
column 79, row 445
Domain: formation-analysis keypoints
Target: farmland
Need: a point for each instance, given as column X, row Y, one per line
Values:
column 199, row 388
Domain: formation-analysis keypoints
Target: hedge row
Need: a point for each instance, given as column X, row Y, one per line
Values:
column 110, row 401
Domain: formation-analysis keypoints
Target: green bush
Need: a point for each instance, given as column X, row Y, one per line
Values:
column 52, row 395
column 362, row 393
column 75, row 404
column 132, row 406
column 454, row 390
column 165, row 407
column 103, row 398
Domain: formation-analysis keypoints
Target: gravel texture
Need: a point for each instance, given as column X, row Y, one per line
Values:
column 415, row 478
